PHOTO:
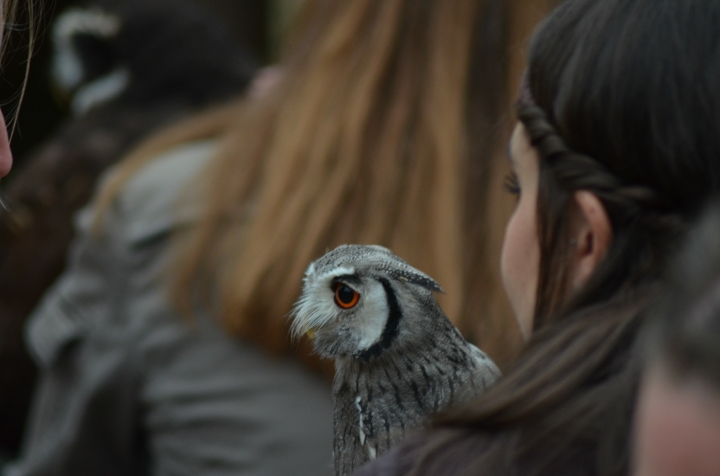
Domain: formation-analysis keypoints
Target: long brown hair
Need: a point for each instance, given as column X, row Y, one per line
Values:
column 15, row 18
column 604, row 109
column 364, row 140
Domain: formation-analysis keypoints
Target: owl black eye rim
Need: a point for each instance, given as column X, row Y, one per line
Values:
column 345, row 296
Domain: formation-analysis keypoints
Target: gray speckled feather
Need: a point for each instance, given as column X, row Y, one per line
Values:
column 398, row 359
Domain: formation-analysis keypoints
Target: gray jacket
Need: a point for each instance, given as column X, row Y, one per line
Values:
column 129, row 388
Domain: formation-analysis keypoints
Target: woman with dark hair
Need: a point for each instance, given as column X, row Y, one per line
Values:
column 616, row 150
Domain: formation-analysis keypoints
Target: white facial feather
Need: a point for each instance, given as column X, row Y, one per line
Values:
column 369, row 322
column 316, row 307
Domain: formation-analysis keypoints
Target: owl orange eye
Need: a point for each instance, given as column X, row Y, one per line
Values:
column 345, row 296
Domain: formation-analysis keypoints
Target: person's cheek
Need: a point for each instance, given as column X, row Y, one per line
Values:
column 515, row 269
column 520, row 259
column 5, row 154
column 507, row 268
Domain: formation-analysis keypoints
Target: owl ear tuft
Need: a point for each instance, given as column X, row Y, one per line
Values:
column 417, row 278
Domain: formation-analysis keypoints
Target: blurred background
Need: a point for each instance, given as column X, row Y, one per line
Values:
column 58, row 154
column 45, row 129
column 258, row 24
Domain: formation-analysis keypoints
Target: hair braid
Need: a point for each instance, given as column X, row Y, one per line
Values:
column 574, row 171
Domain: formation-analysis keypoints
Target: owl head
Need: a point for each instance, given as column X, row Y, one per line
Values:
column 359, row 301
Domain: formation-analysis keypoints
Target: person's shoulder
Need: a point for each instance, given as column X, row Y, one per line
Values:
column 156, row 188
column 165, row 193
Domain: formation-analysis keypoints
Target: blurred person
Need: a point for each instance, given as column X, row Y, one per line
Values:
column 616, row 151
column 155, row 345
column 126, row 68
column 677, row 424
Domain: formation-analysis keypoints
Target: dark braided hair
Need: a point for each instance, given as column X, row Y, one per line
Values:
column 635, row 211
column 622, row 99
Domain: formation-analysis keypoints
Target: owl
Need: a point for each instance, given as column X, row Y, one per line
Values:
column 398, row 358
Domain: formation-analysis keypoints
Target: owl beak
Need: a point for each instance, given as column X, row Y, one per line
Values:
column 311, row 333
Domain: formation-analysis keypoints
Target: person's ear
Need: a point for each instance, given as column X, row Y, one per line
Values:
column 590, row 237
